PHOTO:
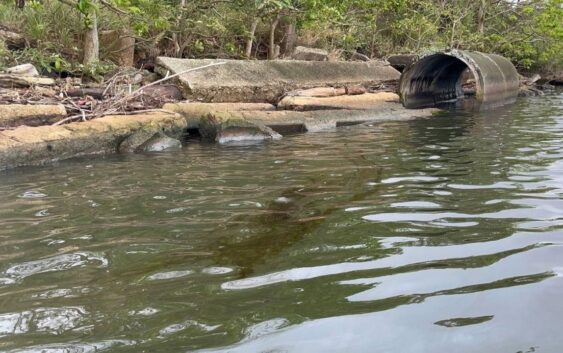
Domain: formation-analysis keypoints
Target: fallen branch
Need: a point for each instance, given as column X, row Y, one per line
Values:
column 96, row 93
column 176, row 75
column 84, row 116
column 142, row 112
column 66, row 120
column 114, row 8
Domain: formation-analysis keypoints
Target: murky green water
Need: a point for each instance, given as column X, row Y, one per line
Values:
column 435, row 235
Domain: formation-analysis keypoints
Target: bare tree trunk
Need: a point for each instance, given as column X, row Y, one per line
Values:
column 372, row 44
column 453, row 35
column 175, row 38
column 91, row 41
column 290, row 38
column 481, row 17
column 126, row 48
column 248, row 51
column 272, row 52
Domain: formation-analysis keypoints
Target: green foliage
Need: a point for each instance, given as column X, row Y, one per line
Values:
column 528, row 31
column 95, row 70
column 86, row 7
column 42, row 59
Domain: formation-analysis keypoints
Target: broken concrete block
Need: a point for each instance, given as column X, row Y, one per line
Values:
column 160, row 142
column 309, row 54
column 23, row 70
column 16, row 81
column 225, row 127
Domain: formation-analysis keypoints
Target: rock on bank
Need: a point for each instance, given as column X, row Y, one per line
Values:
column 268, row 81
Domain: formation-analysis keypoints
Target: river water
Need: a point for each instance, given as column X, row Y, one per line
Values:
column 442, row 234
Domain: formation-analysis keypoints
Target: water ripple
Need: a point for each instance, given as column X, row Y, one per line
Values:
column 433, row 233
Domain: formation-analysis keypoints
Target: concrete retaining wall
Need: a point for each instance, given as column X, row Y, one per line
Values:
column 39, row 145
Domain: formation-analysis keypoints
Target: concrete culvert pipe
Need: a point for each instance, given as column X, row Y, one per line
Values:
column 437, row 79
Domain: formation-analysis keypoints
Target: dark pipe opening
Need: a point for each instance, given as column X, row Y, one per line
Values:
column 436, row 80
column 191, row 134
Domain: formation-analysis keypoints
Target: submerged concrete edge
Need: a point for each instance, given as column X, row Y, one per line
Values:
column 27, row 146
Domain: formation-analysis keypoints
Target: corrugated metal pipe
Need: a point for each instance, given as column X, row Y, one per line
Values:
column 438, row 78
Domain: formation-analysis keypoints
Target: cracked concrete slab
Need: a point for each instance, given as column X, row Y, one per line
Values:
column 268, row 81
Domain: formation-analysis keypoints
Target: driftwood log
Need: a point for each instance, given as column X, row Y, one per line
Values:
column 96, row 93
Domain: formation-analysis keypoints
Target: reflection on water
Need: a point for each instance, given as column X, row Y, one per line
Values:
column 48, row 320
column 403, row 237
column 55, row 263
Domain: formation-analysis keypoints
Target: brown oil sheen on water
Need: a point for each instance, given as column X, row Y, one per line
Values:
column 435, row 235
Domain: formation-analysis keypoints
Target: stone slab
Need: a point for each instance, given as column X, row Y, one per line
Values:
column 16, row 81
column 12, row 115
column 287, row 122
column 367, row 101
column 402, row 61
column 225, row 127
column 309, row 54
column 216, row 122
column 268, row 81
